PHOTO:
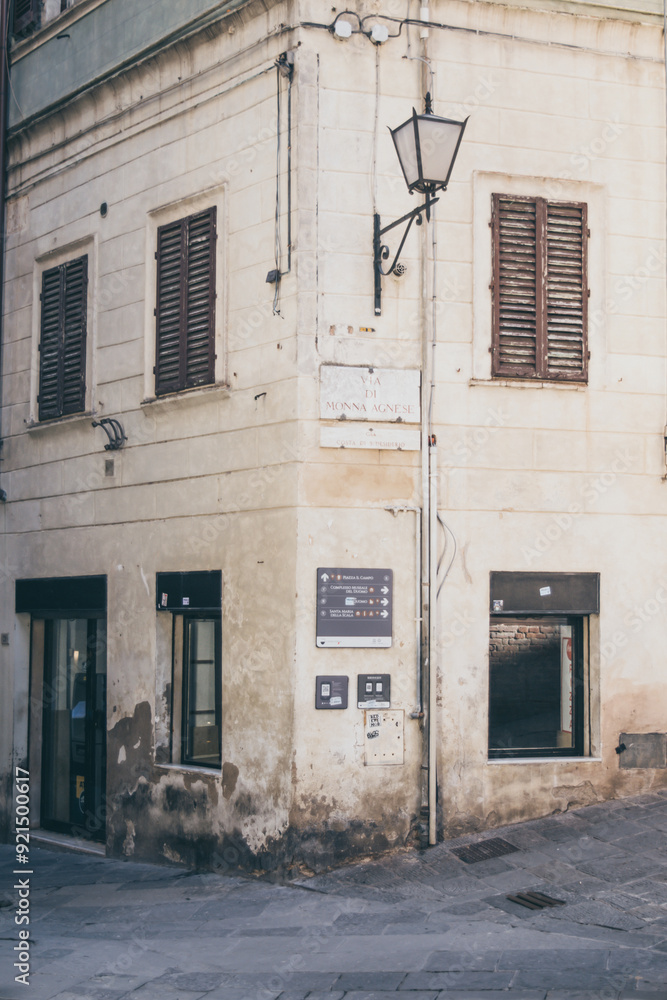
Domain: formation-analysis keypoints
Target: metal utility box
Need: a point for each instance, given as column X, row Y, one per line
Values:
column 373, row 691
column 383, row 738
column 331, row 691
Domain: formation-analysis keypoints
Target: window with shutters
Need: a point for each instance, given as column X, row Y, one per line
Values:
column 25, row 16
column 62, row 344
column 540, row 289
column 185, row 310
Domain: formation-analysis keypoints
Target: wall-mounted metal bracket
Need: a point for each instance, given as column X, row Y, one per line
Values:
column 114, row 431
column 382, row 252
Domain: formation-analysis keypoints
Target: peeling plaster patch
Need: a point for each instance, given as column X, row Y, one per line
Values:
column 136, row 745
column 171, row 855
column 128, row 843
column 143, row 577
column 576, row 795
column 230, row 774
column 122, row 755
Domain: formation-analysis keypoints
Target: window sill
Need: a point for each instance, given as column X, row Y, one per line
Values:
column 545, row 760
column 34, row 426
column 220, row 389
column 517, row 383
column 193, row 769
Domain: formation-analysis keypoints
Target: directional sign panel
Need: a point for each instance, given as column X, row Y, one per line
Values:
column 354, row 607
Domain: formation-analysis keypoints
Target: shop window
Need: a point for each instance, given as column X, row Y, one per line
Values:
column 539, row 678
column 185, row 309
column 194, row 702
column 62, row 344
column 540, row 289
column 197, row 708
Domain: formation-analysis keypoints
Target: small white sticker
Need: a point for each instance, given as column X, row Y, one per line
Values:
column 186, row 602
column 163, row 600
column 336, row 700
column 545, row 591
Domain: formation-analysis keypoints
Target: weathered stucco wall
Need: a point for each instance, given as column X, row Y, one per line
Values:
column 541, row 477
column 545, row 477
column 207, row 479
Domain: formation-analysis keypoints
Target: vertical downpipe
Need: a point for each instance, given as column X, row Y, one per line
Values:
column 4, row 90
column 433, row 638
column 430, row 498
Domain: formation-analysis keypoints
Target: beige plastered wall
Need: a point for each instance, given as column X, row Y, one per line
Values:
column 233, row 477
column 531, row 478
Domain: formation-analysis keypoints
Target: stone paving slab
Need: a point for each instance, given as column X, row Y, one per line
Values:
column 415, row 925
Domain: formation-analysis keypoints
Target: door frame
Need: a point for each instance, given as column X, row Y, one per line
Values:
column 41, row 651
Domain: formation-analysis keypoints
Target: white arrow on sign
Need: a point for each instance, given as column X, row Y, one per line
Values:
column 385, row 590
column 325, row 577
column 385, row 614
column 384, row 601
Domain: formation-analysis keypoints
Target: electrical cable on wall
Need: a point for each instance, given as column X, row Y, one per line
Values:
column 446, row 530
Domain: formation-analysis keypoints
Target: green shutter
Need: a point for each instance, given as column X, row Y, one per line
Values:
column 185, row 309
column 62, row 346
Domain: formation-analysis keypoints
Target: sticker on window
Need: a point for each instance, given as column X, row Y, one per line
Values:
column 545, row 591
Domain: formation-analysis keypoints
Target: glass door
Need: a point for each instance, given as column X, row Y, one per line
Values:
column 74, row 727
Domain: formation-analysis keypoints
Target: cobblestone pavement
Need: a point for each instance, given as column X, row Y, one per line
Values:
column 410, row 926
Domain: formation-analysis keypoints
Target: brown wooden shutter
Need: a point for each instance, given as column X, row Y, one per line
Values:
column 185, row 325
column 540, row 293
column 64, row 303
column 567, row 291
column 25, row 16
column 515, row 286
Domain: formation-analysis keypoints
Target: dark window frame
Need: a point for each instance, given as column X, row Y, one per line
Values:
column 539, row 289
column 185, row 303
column 579, row 680
column 181, row 724
column 63, row 339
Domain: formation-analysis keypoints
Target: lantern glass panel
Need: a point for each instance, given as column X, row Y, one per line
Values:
column 404, row 140
column 438, row 140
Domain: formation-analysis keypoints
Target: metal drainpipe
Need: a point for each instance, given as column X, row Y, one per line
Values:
column 4, row 88
column 430, row 498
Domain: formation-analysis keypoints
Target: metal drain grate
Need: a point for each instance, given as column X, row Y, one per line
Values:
column 494, row 848
column 535, row 900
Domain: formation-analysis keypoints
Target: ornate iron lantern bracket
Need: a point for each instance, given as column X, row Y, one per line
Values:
column 381, row 251
column 114, row 431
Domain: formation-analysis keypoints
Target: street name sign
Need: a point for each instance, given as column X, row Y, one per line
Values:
column 376, row 394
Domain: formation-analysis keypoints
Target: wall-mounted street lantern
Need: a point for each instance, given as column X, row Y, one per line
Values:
column 427, row 146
